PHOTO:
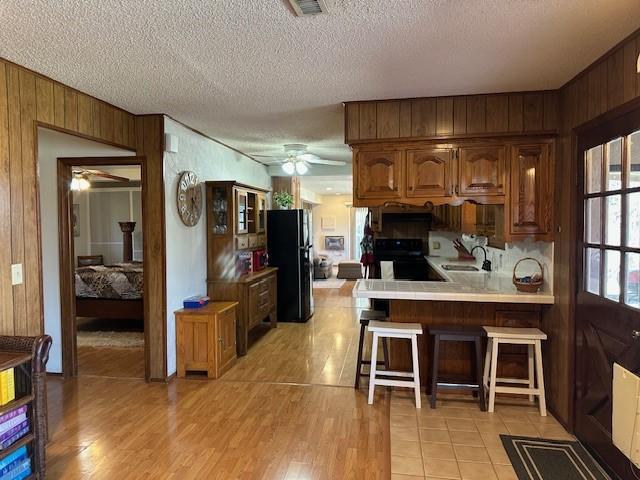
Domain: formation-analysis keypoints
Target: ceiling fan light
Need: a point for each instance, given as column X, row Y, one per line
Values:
column 75, row 184
column 301, row 168
column 288, row 167
column 84, row 183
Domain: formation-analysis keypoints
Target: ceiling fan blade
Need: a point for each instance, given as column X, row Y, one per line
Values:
column 322, row 161
column 100, row 173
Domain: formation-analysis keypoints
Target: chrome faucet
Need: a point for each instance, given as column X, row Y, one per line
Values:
column 486, row 264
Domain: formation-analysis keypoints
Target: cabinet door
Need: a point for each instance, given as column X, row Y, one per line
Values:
column 242, row 212
column 261, row 205
column 429, row 172
column 481, row 170
column 226, row 339
column 531, row 195
column 379, row 174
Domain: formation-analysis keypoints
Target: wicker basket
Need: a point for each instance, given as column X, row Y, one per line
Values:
column 528, row 287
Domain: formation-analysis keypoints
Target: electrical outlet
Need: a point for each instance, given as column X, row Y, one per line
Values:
column 435, row 245
column 16, row 274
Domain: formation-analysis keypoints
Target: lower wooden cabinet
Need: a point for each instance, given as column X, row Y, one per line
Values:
column 257, row 297
column 206, row 338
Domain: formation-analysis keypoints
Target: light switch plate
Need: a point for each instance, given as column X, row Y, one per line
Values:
column 435, row 245
column 16, row 274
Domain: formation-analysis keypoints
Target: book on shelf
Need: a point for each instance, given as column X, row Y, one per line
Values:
column 13, row 431
column 12, row 422
column 4, row 444
column 13, row 413
column 19, row 454
column 7, row 386
column 20, row 471
column 13, row 466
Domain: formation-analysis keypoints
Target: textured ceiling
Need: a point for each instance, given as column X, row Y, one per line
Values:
column 328, row 184
column 254, row 76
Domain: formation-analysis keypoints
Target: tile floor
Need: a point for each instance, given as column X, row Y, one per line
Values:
column 457, row 440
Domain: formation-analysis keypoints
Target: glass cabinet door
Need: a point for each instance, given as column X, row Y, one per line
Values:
column 220, row 210
column 262, row 212
column 242, row 211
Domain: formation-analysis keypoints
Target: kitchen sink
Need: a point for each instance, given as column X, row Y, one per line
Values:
column 459, row 268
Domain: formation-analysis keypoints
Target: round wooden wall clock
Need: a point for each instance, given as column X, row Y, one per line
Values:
column 189, row 198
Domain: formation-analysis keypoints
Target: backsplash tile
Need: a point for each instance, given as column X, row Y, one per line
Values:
column 502, row 261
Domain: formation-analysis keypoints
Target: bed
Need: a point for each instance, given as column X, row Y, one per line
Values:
column 110, row 291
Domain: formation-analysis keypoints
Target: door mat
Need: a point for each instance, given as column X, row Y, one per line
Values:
column 541, row 459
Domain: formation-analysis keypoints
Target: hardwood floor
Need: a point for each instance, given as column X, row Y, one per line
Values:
column 286, row 411
column 111, row 361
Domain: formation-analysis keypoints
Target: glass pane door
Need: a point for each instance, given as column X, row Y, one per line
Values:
column 611, row 233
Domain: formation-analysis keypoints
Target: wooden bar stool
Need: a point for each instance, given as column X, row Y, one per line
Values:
column 409, row 331
column 457, row 333
column 365, row 317
column 515, row 336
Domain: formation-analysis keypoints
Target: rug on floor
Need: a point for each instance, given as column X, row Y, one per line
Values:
column 110, row 339
column 541, row 459
column 329, row 283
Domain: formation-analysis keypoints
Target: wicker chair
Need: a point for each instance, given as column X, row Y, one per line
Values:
column 39, row 348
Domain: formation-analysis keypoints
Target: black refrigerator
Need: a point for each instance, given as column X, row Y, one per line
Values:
column 289, row 248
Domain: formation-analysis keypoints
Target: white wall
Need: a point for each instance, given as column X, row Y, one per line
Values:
column 52, row 145
column 186, row 260
column 337, row 206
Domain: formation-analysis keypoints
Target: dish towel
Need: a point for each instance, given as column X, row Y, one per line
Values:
column 386, row 270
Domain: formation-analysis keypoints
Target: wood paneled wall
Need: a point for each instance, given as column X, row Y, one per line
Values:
column 605, row 85
column 29, row 100
column 443, row 117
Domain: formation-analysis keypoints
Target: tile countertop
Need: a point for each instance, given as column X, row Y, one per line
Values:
column 458, row 287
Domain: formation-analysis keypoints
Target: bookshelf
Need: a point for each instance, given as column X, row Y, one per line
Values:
column 23, row 418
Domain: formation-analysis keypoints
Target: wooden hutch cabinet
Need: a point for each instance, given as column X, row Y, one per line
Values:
column 236, row 228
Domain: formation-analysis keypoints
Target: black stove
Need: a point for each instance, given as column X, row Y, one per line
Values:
column 405, row 253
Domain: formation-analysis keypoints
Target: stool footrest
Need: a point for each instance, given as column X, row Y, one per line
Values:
column 517, row 390
column 458, row 385
column 394, row 373
column 395, row 383
column 513, row 380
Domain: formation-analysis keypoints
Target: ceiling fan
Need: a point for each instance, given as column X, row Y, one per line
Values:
column 80, row 179
column 296, row 159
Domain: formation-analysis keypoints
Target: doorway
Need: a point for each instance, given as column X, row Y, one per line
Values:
column 102, row 281
column 608, row 270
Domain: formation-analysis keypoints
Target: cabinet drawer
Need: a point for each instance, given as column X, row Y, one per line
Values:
column 262, row 240
column 263, row 286
column 242, row 242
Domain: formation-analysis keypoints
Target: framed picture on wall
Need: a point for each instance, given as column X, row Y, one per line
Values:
column 333, row 243
column 76, row 219
column 328, row 222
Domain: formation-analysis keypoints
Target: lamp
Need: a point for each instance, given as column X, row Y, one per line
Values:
column 301, row 167
column 79, row 183
column 288, row 167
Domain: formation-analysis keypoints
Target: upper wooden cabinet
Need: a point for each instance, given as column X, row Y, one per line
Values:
column 379, row 174
column 481, row 170
column 531, row 192
column 429, row 172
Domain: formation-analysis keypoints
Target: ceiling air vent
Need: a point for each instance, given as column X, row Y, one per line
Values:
column 308, row 7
